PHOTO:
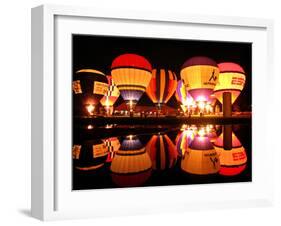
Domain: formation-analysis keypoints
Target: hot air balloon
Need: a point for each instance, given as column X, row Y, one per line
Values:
column 201, row 157
column 112, row 144
column 199, row 75
column 234, row 160
column 131, row 165
column 90, row 155
column 108, row 100
column 183, row 96
column 131, row 73
column 89, row 86
column 231, row 79
column 183, row 140
column 162, row 152
column 161, row 87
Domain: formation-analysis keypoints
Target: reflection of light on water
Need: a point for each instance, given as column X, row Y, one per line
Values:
column 109, row 126
column 208, row 129
column 90, row 127
column 90, row 108
column 184, row 127
column 130, row 137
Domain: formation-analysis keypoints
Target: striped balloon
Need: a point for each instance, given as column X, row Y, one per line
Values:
column 111, row 95
column 162, row 152
column 131, row 164
column 162, row 86
column 131, row 73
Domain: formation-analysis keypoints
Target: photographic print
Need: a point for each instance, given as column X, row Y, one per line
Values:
column 160, row 112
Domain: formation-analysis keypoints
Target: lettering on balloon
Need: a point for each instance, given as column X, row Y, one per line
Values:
column 238, row 81
column 100, row 88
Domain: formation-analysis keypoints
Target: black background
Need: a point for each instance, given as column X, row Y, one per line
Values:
column 98, row 52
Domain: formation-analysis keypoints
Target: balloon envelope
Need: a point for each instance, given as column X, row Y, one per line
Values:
column 199, row 75
column 182, row 95
column 89, row 86
column 201, row 157
column 162, row 152
column 162, row 86
column 231, row 79
column 131, row 165
column 112, row 144
column 131, row 73
column 111, row 95
column 183, row 140
column 233, row 161
column 90, row 155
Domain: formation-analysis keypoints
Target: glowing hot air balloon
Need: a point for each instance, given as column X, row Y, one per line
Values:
column 131, row 165
column 131, row 73
column 90, row 155
column 108, row 100
column 89, row 86
column 233, row 161
column 199, row 75
column 162, row 152
column 231, row 79
column 183, row 96
column 201, row 157
column 162, row 86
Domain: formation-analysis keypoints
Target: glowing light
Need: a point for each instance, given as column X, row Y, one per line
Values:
column 201, row 105
column 209, row 108
column 90, row 108
column 108, row 126
column 201, row 99
column 202, row 132
column 90, row 127
column 208, row 129
column 184, row 127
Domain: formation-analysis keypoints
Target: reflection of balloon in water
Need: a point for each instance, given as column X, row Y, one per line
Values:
column 162, row 86
column 182, row 95
column 233, row 161
column 162, row 152
column 88, row 86
column 231, row 79
column 131, row 165
column 211, row 133
column 201, row 157
column 112, row 144
column 110, row 97
column 199, row 75
column 132, row 74
column 90, row 155
column 183, row 141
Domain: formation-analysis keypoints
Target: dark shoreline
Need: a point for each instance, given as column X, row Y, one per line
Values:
column 161, row 120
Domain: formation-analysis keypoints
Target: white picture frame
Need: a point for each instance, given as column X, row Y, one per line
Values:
column 52, row 197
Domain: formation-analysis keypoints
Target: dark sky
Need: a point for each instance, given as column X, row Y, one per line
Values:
column 98, row 52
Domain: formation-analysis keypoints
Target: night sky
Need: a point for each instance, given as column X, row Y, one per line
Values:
column 98, row 52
